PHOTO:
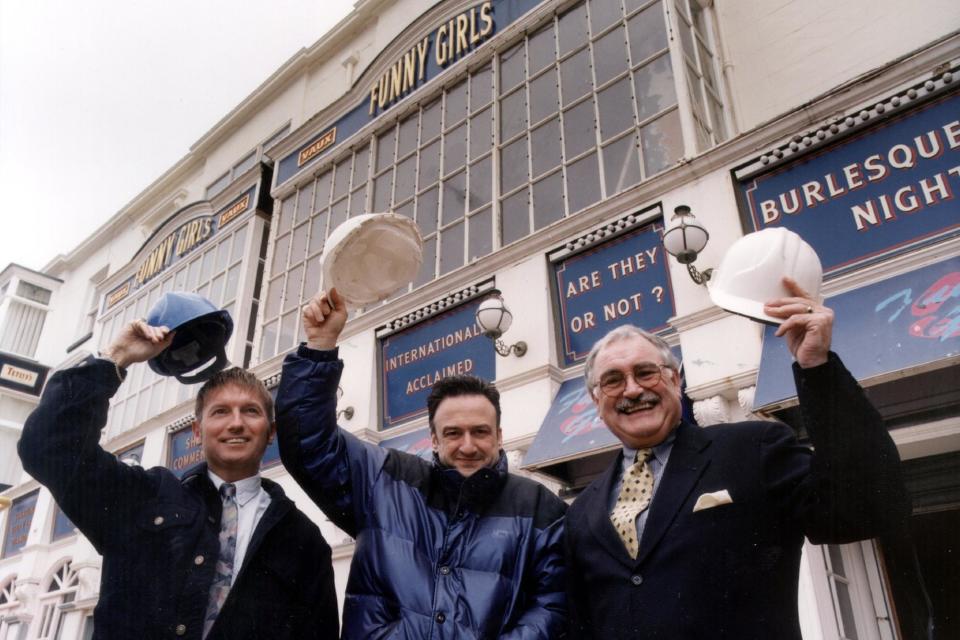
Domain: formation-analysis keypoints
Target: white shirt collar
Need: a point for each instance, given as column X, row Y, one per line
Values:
column 247, row 489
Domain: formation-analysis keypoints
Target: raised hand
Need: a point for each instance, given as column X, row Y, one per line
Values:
column 138, row 342
column 807, row 325
column 323, row 319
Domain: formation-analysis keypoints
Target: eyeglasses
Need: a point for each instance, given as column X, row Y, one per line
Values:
column 645, row 374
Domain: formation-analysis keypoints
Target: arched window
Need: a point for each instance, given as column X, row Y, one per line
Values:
column 59, row 590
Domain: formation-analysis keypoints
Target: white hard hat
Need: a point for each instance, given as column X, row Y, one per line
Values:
column 369, row 257
column 752, row 270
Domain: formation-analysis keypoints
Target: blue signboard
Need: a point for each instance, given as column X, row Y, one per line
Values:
column 19, row 518
column 624, row 281
column 416, row 443
column 886, row 189
column 451, row 40
column 901, row 323
column 450, row 343
column 62, row 525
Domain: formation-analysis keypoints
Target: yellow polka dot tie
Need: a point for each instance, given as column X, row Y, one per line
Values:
column 636, row 489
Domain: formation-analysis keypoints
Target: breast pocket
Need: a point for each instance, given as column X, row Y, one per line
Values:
column 166, row 529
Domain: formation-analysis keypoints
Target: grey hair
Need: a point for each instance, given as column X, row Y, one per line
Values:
column 624, row 332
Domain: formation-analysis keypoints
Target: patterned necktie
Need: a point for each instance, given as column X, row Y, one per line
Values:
column 228, row 546
column 636, row 489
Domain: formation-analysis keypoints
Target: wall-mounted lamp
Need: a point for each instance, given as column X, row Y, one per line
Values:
column 494, row 319
column 684, row 239
column 347, row 412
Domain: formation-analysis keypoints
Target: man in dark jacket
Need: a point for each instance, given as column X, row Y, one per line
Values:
column 220, row 554
column 456, row 549
column 697, row 533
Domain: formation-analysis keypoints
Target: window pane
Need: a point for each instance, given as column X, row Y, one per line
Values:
column 223, row 256
column 385, row 145
column 621, row 167
column 304, row 202
column 272, row 307
column 481, row 136
column 546, row 140
column 480, row 183
column 686, row 37
column 481, row 234
column 662, row 143
column 575, row 76
column 541, row 49
column 407, row 140
column 603, row 13
column 513, row 164
column 648, row 33
column 548, row 200
column 291, row 292
column 706, row 65
column 341, row 181
column 456, row 107
column 616, row 113
column 279, row 263
column 268, row 341
column 311, row 282
column 513, row 114
column 427, row 204
column 583, row 183
column 454, row 196
column 318, row 233
column 405, row 179
column 429, row 165
column 544, row 99
column 430, row 122
column 579, row 129
column 288, row 330
column 514, row 217
column 610, row 55
column 455, row 149
column 338, row 214
column 572, row 29
column 654, row 87
column 298, row 249
column 451, row 248
column 233, row 277
column 381, row 191
column 239, row 238
column 481, row 88
column 322, row 196
column 846, row 611
column 358, row 202
column 512, row 68
column 405, row 210
column 216, row 289
column 428, row 267
column 716, row 114
column 361, row 167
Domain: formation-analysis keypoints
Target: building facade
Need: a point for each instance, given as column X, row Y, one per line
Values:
column 542, row 147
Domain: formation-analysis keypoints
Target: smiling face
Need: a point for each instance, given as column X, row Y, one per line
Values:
column 235, row 429
column 465, row 434
column 640, row 417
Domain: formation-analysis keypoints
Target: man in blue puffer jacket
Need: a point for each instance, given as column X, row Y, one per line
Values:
column 455, row 549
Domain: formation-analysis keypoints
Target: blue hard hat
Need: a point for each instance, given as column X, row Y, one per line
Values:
column 198, row 350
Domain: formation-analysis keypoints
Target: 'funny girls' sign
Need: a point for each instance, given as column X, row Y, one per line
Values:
column 877, row 192
column 412, row 360
column 622, row 281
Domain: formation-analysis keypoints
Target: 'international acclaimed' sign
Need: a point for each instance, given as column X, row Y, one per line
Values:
column 898, row 324
column 21, row 374
column 18, row 523
column 878, row 192
column 412, row 360
column 449, row 41
column 623, row 281
column 177, row 245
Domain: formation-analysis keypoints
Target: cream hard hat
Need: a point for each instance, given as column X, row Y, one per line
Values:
column 370, row 256
column 752, row 271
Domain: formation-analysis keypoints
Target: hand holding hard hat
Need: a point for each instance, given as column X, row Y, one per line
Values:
column 137, row 342
column 773, row 276
column 369, row 257
column 323, row 319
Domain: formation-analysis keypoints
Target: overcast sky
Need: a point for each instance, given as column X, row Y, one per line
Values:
column 99, row 98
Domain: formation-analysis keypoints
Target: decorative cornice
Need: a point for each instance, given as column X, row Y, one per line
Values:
column 432, row 309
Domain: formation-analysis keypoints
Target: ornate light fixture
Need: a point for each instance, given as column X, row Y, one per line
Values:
column 494, row 319
column 346, row 412
column 684, row 239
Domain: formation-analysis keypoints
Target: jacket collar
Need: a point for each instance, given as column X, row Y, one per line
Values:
column 475, row 491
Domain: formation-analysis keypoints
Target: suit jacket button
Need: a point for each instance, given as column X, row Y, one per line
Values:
column 158, row 520
column 198, row 560
column 181, row 630
column 444, row 570
column 636, row 580
column 441, row 618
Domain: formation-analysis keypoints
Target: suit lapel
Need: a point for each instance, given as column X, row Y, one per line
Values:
column 688, row 460
column 598, row 513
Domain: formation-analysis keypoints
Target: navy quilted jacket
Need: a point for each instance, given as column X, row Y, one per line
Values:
column 437, row 556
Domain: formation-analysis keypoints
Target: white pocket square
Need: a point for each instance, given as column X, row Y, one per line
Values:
column 710, row 500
